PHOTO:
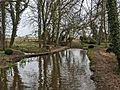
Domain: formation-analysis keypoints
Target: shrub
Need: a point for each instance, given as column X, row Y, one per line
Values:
column 62, row 43
column 83, row 38
column 8, row 51
column 89, row 41
column 86, row 41
column 92, row 41
column 91, row 46
column 109, row 50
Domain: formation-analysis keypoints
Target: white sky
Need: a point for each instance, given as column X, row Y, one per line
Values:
column 24, row 28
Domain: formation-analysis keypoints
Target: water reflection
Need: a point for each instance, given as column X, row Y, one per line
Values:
column 68, row 70
column 3, row 79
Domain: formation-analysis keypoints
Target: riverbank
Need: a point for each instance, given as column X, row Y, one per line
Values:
column 104, row 67
column 7, row 60
column 52, row 51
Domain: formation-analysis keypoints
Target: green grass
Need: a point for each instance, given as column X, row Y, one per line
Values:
column 26, row 46
column 90, row 53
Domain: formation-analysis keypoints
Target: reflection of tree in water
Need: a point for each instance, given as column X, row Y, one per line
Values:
column 55, row 72
column 17, row 81
column 40, row 73
column 3, row 79
column 49, row 72
column 83, row 56
column 72, row 76
column 70, row 69
column 44, row 61
column 61, row 54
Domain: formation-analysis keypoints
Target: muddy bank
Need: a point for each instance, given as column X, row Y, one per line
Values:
column 104, row 66
column 7, row 60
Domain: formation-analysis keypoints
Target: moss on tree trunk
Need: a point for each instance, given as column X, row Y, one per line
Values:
column 113, row 24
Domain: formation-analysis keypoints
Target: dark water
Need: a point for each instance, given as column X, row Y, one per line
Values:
column 68, row 70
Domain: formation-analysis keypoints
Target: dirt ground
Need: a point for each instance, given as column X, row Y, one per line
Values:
column 105, row 74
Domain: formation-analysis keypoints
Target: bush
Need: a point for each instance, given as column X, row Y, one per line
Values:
column 86, row 41
column 8, row 51
column 89, row 41
column 91, row 46
column 92, row 41
column 109, row 50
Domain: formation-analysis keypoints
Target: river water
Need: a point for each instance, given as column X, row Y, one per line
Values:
column 66, row 70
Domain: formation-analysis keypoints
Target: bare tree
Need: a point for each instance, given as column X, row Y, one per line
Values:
column 16, row 8
column 61, row 18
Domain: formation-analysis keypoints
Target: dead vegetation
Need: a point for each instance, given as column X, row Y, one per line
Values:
column 104, row 66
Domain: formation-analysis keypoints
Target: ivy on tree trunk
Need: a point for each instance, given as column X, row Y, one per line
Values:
column 113, row 24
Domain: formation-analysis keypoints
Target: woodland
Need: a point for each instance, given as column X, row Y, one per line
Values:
column 92, row 25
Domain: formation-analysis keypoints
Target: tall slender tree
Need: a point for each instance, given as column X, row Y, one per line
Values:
column 39, row 2
column 3, row 23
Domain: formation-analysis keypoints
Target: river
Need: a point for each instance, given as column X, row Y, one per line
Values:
column 66, row 70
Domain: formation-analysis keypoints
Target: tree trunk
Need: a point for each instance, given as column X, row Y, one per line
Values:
column 3, row 24
column 13, row 35
column 101, row 34
column 39, row 22
column 58, row 24
column 104, row 17
column 44, row 24
column 114, row 28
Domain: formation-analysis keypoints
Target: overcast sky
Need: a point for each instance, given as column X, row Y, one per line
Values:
column 24, row 28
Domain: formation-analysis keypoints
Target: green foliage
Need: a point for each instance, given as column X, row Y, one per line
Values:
column 94, row 29
column 113, row 23
column 114, row 26
column 8, row 51
column 87, row 40
column 91, row 46
column 90, row 41
column 82, row 38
